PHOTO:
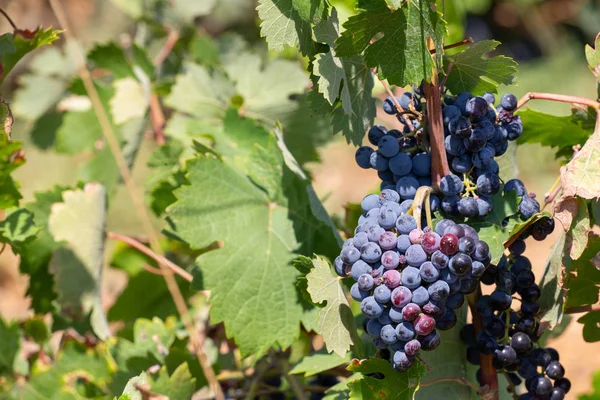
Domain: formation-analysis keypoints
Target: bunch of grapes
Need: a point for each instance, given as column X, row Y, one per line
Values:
column 509, row 336
column 475, row 133
column 401, row 162
column 409, row 281
column 528, row 206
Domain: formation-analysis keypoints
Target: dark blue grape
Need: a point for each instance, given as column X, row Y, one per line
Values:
column 400, row 164
column 421, row 164
column 450, row 112
column 467, row 207
column 388, row 146
column 376, row 133
column 363, row 157
column 460, row 127
column 389, row 107
column 454, row 146
column 508, row 102
column 378, row 161
column 407, row 187
column 462, row 164
column 477, row 107
column 528, row 207
column 488, row 184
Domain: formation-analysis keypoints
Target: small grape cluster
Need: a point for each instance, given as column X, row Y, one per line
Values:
column 400, row 161
column 475, row 133
column 409, row 281
column 528, row 206
column 510, row 336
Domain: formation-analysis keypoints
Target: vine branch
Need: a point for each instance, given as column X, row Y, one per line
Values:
column 435, row 124
column 137, row 199
column 559, row 98
column 489, row 376
column 9, row 19
column 580, row 309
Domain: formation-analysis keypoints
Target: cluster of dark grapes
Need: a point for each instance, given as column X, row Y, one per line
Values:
column 475, row 133
column 400, row 162
column 528, row 206
column 510, row 336
column 409, row 281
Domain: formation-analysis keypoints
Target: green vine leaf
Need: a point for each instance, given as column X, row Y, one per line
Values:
column 73, row 360
column 283, row 24
column 593, row 58
column 10, row 345
column 561, row 133
column 591, row 326
column 553, row 282
column 520, row 225
column 277, row 220
column 316, row 363
column 178, row 385
column 335, row 322
column 79, row 222
column 18, row 227
column 345, row 80
column 450, row 361
column 399, row 53
column 395, row 385
column 14, row 47
column 472, row 72
column 584, row 286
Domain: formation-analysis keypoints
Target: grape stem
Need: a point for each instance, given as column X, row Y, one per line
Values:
column 157, row 118
column 157, row 115
column 9, row 19
column 425, row 364
column 448, row 69
column 156, row 257
column 553, row 192
column 558, row 97
column 391, row 95
column 421, row 196
column 489, row 376
column 463, row 42
column 513, row 389
column 580, row 309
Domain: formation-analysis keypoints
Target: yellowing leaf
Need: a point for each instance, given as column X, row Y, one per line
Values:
column 581, row 175
column 79, row 221
column 129, row 100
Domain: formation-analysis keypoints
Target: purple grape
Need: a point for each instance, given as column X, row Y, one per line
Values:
column 401, row 296
column 392, row 278
column 390, row 259
column 410, row 311
column 388, row 240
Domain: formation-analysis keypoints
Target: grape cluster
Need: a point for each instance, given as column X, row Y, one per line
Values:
column 528, row 206
column 509, row 336
column 475, row 133
column 409, row 281
column 400, row 161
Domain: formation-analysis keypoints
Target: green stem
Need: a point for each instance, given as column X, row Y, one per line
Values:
column 292, row 380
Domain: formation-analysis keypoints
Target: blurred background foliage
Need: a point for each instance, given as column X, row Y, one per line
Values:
column 546, row 38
